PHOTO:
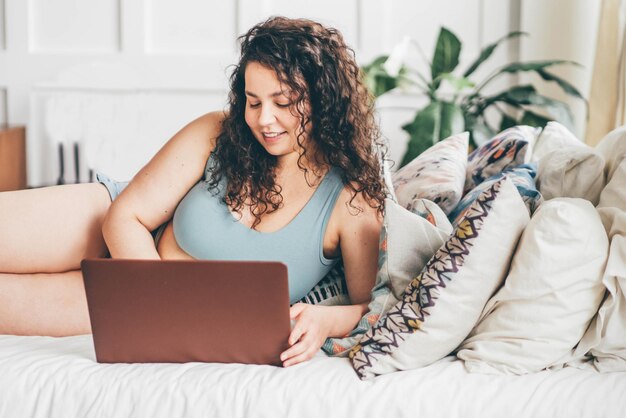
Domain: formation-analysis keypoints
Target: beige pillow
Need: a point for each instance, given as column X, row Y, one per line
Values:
column 552, row 292
column 605, row 340
column 566, row 167
column 411, row 241
column 613, row 148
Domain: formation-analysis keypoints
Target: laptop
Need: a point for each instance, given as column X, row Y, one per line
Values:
column 177, row 311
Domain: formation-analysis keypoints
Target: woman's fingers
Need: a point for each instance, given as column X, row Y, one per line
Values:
column 302, row 323
column 293, row 351
column 303, row 351
column 298, row 331
column 306, row 336
column 296, row 310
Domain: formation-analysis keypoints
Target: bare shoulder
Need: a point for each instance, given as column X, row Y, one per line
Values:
column 158, row 187
column 354, row 220
column 208, row 126
column 355, row 209
column 358, row 228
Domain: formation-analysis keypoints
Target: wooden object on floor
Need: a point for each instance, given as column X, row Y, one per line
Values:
column 12, row 157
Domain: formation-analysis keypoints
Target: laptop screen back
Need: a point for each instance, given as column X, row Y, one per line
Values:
column 181, row 311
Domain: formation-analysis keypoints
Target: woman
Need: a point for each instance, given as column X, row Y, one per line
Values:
column 297, row 146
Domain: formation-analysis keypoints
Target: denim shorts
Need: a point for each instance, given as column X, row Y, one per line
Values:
column 115, row 188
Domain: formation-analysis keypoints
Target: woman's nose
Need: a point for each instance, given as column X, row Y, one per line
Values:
column 266, row 117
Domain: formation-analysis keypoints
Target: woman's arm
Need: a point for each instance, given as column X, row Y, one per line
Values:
column 152, row 196
column 358, row 240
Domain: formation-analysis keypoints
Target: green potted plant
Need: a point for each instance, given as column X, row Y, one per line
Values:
column 464, row 108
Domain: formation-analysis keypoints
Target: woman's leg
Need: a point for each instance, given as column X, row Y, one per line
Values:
column 50, row 230
column 51, row 304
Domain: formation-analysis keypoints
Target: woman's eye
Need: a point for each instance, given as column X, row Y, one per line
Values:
column 255, row 105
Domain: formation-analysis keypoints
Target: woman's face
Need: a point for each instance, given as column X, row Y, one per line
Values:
column 269, row 112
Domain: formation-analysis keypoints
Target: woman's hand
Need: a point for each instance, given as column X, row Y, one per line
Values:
column 313, row 326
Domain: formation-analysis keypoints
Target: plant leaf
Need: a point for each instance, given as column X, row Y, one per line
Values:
column 452, row 120
column 458, row 83
column 446, row 56
column 377, row 80
column 533, row 119
column 435, row 122
column 488, row 50
column 565, row 85
column 522, row 67
column 515, row 96
column 520, row 94
column 422, row 131
column 481, row 132
column 558, row 109
column 526, row 95
column 507, row 122
column 533, row 65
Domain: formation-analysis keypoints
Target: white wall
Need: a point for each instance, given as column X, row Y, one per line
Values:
column 121, row 76
column 562, row 29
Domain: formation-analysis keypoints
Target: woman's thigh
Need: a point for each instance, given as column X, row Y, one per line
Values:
column 51, row 304
column 52, row 229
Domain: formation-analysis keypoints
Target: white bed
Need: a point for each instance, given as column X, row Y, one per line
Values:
column 59, row 377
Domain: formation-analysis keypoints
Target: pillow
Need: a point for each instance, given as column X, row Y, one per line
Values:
column 523, row 177
column 566, row 166
column 510, row 148
column 613, row 148
column 437, row 174
column 552, row 292
column 605, row 340
column 554, row 136
column 431, row 212
column 411, row 242
column 442, row 304
column 391, row 194
column 406, row 243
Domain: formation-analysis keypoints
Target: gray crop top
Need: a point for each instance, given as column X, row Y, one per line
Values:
column 205, row 228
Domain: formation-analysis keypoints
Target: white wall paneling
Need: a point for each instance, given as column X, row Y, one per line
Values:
column 391, row 20
column 3, row 107
column 190, row 26
column 117, row 131
column 2, row 26
column 74, row 26
column 342, row 15
column 163, row 62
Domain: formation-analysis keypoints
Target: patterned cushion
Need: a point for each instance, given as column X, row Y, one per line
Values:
column 567, row 167
column 406, row 243
column 438, row 174
column 443, row 303
column 523, row 178
column 431, row 212
column 510, row 148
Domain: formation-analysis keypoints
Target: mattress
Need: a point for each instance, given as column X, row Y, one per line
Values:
column 59, row 377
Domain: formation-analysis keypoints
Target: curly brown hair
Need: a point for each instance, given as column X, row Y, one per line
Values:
column 321, row 71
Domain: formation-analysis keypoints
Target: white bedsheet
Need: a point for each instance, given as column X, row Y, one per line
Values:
column 59, row 377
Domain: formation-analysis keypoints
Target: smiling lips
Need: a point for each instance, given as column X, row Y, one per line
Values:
column 272, row 136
